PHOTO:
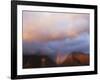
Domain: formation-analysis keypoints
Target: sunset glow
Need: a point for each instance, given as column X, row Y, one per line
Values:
column 44, row 26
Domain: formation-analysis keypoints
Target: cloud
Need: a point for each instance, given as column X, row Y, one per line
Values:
column 65, row 46
column 80, row 43
column 45, row 27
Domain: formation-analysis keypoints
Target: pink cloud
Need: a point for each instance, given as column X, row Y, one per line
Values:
column 44, row 26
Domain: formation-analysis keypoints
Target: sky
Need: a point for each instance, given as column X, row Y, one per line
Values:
column 51, row 32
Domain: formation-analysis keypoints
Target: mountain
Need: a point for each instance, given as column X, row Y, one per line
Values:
column 37, row 61
column 41, row 60
column 76, row 59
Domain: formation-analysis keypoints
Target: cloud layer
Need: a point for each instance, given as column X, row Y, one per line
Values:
column 55, row 32
column 64, row 46
column 44, row 26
